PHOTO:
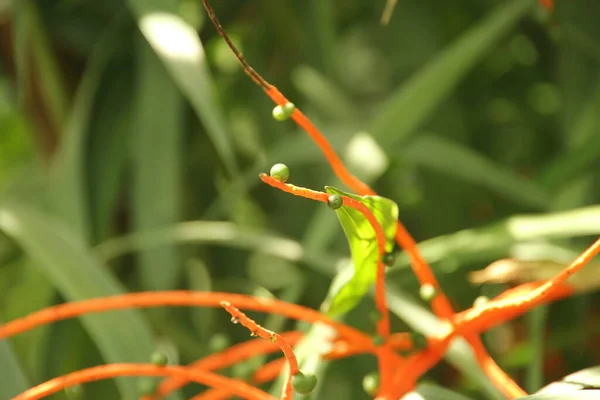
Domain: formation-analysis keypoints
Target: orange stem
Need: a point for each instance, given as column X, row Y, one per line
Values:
column 181, row 298
column 257, row 330
column 228, row 357
column 383, row 326
column 502, row 381
column 441, row 305
column 117, row 370
column 475, row 318
column 264, row 374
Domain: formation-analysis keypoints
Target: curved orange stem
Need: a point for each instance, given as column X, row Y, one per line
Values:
column 227, row 357
column 180, row 298
column 257, row 330
column 116, row 370
column 383, row 326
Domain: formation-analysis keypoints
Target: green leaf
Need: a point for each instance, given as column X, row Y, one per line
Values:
column 12, row 378
column 157, row 151
column 574, row 395
column 61, row 255
column 213, row 232
column 177, row 45
column 452, row 159
column 584, row 382
column 494, row 241
column 428, row 391
column 352, row 284
column 67, row 184
column 108, row 151
column 417, row 99
column 38, row 57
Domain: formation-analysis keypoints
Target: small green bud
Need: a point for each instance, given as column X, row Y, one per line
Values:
column 147, row 386
column 378, row 340
column 159, row 359
column 335, row 201
column 481, row 301
column 281, row 172
column 389, row 259
column 419, row 341
column 427, row 292
column 371, row 383
column 374, row 316
column 304, row 384
column 281, row 113
column 74, row 392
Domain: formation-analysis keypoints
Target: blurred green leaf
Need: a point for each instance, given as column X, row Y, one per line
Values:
column 577, row 383
column 62, row 256
column 575, row 395
column 351, row 285
column 428, row 391
column 452, row 159
column 68, row 189
column 12, row 379
column 109, row 148
column 179, row 48
column 213, row 232
column 536, row 326
column 414, row 101
column 158, row 144
column 38, row 57
column 493, row 241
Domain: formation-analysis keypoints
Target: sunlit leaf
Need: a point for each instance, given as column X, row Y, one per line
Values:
column 353, row 282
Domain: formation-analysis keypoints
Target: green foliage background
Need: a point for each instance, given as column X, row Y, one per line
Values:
column 122, row 133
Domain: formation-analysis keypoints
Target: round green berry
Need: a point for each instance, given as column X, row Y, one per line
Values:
column 427, row 292
column 304, row 384
column 147, row 386
column 159, row 359
column 335, row 201
column 74, row 392
column 281, row 113
column 371, row 383
column 419, row 341
column 389, row 259
column 378, row 340
column 281, row 172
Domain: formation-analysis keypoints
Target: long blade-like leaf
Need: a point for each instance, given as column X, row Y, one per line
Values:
column 157, row 152
column 61, row 255
column 415, row 100
column 12, row 379
column 452, row 159
column 179, row 48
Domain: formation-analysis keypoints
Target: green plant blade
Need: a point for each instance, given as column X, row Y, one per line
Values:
column 178, row 47
column 108, row 151
column 493, row 241
column 12, row 379
column 584, row 381
column 61, row 255
column 352, row 283
column 415, row 100
column 213, row 232
column 451, row 158
column 67, row 183
column 157, row 151
column 428, row 391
